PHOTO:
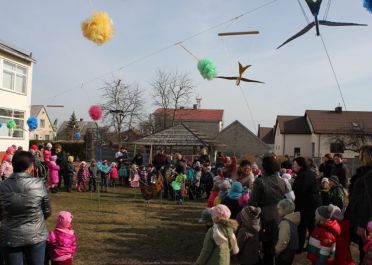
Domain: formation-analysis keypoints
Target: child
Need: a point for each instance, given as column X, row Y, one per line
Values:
column 6, row 167
column 104, row 170
column 214, row 194
column 53, row 174
column 83, row 175
column 178, row 184
column 248, row 236
column 159, row 185
column 62, row 241
column 113, row 174
column 93, row 172
column 287, row 244
column 368, row 246
column 220, row 239
column 70, row 170
column 287, row 179
column 324, row 191
column 206, row 218
column 123, row 174
column 322, row 243
column 343, row 253
column 47, row 152
column 135, row 177
column 336, row 192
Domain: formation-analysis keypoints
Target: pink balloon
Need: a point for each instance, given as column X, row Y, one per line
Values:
column 95, row 112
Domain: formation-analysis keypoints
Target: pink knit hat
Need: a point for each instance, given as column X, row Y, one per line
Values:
column 220, row 211
column 369, row 227
column 64, row 220
column 243, row 200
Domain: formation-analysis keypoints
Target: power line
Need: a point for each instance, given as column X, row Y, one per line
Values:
column 146, row 56
column 333, row 71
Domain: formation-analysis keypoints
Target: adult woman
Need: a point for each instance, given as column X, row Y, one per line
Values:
column 267, row 191
column 24, row 206
column 359, row 211
column 245, row 174
column 307, row 196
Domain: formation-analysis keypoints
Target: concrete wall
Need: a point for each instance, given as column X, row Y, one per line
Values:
column 16, row 101
column 210, row 129
column 43, row 133
column 237, row 139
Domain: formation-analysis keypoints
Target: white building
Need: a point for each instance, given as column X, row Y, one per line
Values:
column 15, row 95
column 319, row 132
column 45, row 129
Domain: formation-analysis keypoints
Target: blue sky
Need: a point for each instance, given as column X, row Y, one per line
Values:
column 297, row 76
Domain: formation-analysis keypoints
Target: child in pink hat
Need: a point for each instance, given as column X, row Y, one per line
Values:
column 62, row 240
column 220, row 239
column 53, row 174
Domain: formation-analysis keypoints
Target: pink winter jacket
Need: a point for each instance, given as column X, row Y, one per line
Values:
column 62, row 240
column 47, row 154
column 6, row 167
column 113, row 173
column 53, row 172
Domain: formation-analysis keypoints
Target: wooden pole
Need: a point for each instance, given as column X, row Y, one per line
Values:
column 238, row 33
column 150, row 156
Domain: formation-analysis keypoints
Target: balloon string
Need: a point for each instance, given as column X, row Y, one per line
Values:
column 188, row 51
column 303, row 12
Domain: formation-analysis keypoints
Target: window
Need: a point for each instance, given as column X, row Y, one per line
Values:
column 42, row 123
column 14, row 77
column 337, row 147
column 47, row 137
column 18, row 117
column 36, row 137
column 297, row 151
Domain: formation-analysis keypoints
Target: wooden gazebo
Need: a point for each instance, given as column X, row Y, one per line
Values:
column 177, row 136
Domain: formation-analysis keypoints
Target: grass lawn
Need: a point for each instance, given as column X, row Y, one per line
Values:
column 119, row 228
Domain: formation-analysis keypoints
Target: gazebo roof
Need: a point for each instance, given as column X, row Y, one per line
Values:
column 178, row 135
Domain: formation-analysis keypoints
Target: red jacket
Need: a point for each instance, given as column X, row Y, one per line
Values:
column 322, row 243
column 343, row 253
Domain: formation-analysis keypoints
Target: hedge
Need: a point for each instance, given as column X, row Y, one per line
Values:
column 77, row 149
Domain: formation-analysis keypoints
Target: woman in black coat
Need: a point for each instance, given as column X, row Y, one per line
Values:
column 359, row 211
column 267, row 191
column 307, row 199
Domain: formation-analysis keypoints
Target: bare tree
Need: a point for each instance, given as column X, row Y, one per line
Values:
column 171, row 90
column 161, row 94
column 353, row 137
column 181, row 90
column 123, row 104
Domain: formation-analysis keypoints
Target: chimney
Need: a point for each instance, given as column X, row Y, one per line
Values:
column 338, row 109
column 195, row 106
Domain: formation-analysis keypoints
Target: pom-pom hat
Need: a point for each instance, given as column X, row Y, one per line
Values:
column 220, row 211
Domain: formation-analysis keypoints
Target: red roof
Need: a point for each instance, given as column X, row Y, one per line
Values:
column 211, row 115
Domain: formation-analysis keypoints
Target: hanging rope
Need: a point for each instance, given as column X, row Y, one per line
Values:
column 188, row 51
column 248, row 107
column 241, row 90
column 333, row 71
column 327, row 9
column 303, row 12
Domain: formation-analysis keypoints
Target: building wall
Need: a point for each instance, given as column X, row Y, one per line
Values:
column 13, row 101
column 45, row 133
column 278, row 142
column 237, row 139
column 210, row 129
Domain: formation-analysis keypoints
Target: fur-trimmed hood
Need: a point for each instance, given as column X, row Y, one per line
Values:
column 223, row 232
